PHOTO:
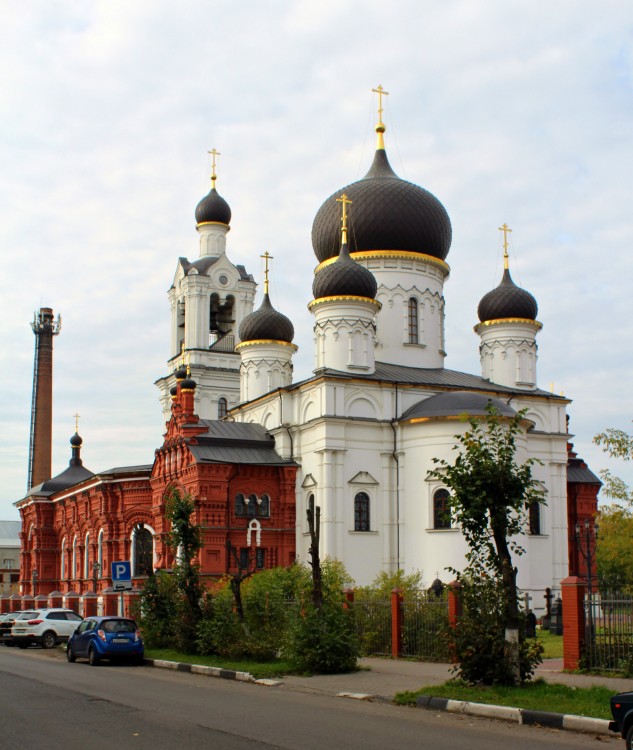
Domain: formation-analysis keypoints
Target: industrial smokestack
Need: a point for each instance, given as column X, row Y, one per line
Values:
column 44, row 327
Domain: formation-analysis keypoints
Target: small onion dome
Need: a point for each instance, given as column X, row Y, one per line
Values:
column 344, row 277
column 456, row 404
column 181, row 372
column 389, row 214
column 267, row 324
column 188, row 384
column 173, row 391
column 214, row 208
column 76, row 440
column 507, row 301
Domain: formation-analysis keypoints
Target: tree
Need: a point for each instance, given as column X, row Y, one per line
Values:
column 185, row 540
column 617, row 444
column 614, row 547
column 490, row 495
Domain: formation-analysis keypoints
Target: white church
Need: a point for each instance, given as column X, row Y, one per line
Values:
column 380, row 406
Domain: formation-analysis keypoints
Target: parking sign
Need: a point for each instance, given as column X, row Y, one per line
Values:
column 121, row 575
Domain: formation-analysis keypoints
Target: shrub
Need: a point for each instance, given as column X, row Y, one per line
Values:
column 158, row 612
column 324, row 640
column 478, row 640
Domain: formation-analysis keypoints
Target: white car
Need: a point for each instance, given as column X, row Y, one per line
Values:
column 46, row 627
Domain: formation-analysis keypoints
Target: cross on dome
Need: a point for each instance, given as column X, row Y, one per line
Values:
column 266, row 256
column 345, row 201
column 214, row 152
column 505, row 229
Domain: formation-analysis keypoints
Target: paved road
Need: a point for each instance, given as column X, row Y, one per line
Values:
column 48, row 703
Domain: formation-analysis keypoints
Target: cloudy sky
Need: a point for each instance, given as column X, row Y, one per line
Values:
column 516, row 112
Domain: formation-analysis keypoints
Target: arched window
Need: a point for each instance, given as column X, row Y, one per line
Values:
column 361, row 512
column 143, row 551
column 222, row 407
column 441, row 510
column 62, row 562
column 264, row 507
column 240, row 505
column 534, row 518
column 252, row 505
column 86, row 557
column 100, row 550
column 414, row 334
column 73, row 566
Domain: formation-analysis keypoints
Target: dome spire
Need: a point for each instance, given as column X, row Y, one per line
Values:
column 266, row 256
column 380, row 126
column 213, row 153
column 506, row 258
column 346, row 202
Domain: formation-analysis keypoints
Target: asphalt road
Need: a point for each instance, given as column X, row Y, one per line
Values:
column 50, row 704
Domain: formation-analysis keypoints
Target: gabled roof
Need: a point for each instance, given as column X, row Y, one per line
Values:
column 10, row 533
column 436, row 377
column 235, row 443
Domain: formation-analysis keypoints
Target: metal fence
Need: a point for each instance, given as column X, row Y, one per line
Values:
column 373, row 626
column 424, row 621
column 608, row 631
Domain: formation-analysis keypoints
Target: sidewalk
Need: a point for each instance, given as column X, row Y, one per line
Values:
column 386, row 677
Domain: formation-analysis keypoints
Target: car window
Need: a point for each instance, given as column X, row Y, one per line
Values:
column 119, row 626
column 73, row 617
column 56, row 616
column 27, row 615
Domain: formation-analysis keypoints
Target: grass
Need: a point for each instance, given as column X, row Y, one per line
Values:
column 259, row 669
column 538, row 695
column 552, row 644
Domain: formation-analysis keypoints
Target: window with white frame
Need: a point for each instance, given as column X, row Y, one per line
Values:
column 361, row 512
column 441, row 509
column 414, row 321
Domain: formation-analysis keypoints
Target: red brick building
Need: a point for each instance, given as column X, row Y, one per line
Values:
column 77, row 523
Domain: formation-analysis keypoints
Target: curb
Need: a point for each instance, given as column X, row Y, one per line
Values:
column 568, row 722
column 178, row 666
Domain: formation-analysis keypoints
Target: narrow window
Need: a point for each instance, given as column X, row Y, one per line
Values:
column 143, row 551
column 244, row 558
column 413, row 321
column 252, row 505
column 62, row 571
column 260, row 558
column 534, row 518
column 361, row 512
column 264, row 507
column 86, row 558
column 222, row 408
column 240, row 505
column 441, row 510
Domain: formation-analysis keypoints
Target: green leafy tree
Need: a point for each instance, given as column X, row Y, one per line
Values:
column 614, row 547
column 617, row 444
column 185, row 540
column 490, row 494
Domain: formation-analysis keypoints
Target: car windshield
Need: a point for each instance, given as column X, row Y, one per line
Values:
column 118, row 626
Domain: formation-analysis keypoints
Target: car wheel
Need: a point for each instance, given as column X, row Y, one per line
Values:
column 23, row 645
column 139, row 660
column 629, row 738
column 49, row 639
column 93, row 658
column 70, row 654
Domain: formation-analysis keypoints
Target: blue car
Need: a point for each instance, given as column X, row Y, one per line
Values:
column 112, row 637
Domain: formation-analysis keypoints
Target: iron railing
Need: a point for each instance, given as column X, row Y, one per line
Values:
column 608, row 631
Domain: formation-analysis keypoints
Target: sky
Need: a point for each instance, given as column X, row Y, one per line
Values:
column 509, row 112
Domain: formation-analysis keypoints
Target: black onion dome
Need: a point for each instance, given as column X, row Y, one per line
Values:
column 507, row 301
column 388, row 214
column 266, row 323
column 76, row 440
column 188, row 384
column 344, row 277
column 173, row 391
column 181, row 372
column 213, row 207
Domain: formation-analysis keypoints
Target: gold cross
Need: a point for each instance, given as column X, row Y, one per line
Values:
column 346, row 202
column 76, row 416
column 505, row 229
column 214, row 177
column 266, row 256
column 182, row 352
column 381, row 92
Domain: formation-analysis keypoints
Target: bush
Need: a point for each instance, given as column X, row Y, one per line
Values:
column 324, row 640
column 478, row 640
column 158, row 614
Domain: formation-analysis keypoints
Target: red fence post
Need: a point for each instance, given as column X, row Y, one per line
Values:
column 573, row 621
column 454, row 612
column 396, row 623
